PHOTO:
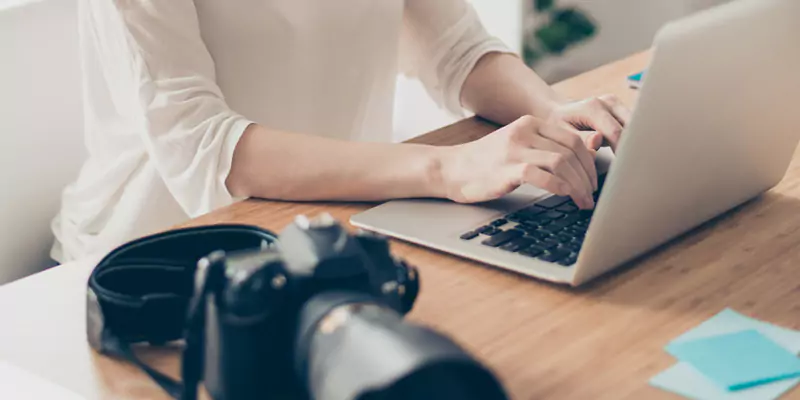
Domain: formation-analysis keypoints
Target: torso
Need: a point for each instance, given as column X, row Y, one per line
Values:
column 321, row 67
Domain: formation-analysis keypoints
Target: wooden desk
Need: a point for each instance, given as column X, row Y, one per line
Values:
column 544, row 341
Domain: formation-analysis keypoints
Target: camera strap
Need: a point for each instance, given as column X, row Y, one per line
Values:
column 147, row 291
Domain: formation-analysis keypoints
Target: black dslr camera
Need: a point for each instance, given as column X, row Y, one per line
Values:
column 320, row 315
column 316, row 314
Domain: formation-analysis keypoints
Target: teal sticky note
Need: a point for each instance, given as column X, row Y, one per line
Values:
column 738, row 360
column 729, row 321
column 635, row 80
column 682, row 379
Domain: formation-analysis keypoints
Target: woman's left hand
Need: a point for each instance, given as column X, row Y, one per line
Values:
column 599, row 120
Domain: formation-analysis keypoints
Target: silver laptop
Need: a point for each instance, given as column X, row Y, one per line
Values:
column 717, row 123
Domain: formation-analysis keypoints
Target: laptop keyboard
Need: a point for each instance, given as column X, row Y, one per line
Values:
column 551, row 230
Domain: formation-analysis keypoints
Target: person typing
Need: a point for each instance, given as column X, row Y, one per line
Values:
column 193, row 104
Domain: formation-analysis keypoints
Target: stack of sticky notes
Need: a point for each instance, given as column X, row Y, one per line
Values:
column 731, row 356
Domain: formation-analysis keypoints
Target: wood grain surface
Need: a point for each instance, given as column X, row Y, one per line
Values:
column 603, row 341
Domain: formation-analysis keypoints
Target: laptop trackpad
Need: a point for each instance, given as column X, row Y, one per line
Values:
column 433, row 217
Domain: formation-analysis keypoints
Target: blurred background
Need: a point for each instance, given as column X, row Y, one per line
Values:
column 40, row 90
column 619, row 28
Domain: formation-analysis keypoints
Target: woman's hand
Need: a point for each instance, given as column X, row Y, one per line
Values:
column 528, row 150
column 556, row 155
column 600, row 120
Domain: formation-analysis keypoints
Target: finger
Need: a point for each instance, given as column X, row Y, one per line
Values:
column 620, row 111
column 534, row 175
column 601, row 120
column 565, row 165
column 558, row 164
column 591, row 139
column 571, row 140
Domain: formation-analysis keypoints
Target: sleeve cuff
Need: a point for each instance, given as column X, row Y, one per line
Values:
column 226, row 160
column 454, row 83
column 454, row 55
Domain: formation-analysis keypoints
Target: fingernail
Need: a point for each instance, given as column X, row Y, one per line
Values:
column 592, row 141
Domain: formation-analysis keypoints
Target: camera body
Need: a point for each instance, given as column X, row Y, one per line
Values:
column 266, row 306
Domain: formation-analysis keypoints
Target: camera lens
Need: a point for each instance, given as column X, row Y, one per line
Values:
column 351, row 347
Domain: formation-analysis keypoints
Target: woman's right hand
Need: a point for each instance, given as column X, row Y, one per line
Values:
column 528, row 151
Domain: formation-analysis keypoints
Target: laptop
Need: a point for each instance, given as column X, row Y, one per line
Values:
column 716, row 123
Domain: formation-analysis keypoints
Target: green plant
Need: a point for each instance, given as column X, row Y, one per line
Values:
column 561, row 28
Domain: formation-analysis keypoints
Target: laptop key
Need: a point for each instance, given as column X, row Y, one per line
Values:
column 553, row 202
column 515, row 217
column 502, row 237
column 553, row 215
column 538, row 235
column 573, row 246
column 483, row 229
column 569, row 260
column 540, row 220
column 563, row 237
column 525, row 227
column 567, row 208
column 548, row 244
column 532, row 210
column 553, row 255
column 499, row 222
column 492, row 232
column 549, row 230
column 518, row 244
column 564, row 222
column 532, row 251
column 470, row 235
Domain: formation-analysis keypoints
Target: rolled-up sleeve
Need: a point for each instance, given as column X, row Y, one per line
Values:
column 442, row 41
column 162, row 80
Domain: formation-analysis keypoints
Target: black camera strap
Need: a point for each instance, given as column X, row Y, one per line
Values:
column 147, row 291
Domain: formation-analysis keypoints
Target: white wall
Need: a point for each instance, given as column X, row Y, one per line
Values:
column 40, row 126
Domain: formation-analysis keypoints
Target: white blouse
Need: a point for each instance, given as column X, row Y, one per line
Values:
column 170, row 85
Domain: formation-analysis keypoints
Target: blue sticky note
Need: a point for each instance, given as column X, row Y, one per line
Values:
column 730, row 321
column 635, row 80
column 738, row 360
column 684, row 380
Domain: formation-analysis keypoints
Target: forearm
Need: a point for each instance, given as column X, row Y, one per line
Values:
column 502, row 88
column 290, row 166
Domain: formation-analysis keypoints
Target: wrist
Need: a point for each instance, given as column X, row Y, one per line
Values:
column 548, row 105
column 434, row 179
